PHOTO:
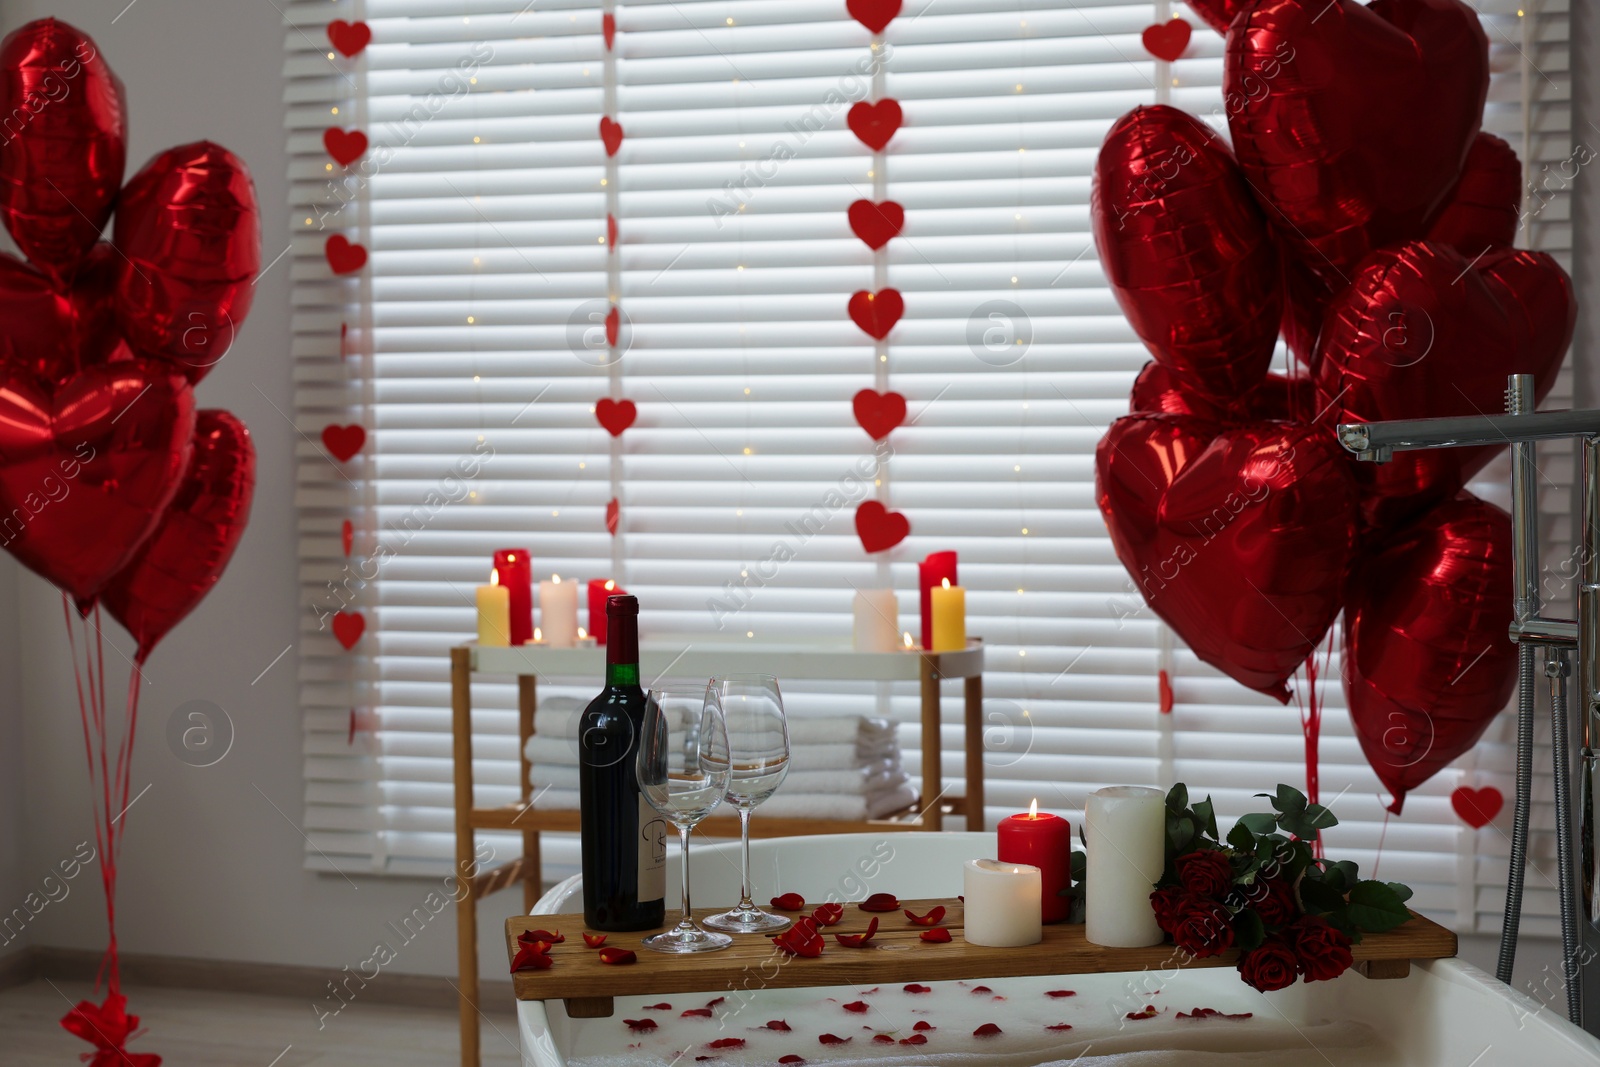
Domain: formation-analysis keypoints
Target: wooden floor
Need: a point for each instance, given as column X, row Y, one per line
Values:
column 190, row 1028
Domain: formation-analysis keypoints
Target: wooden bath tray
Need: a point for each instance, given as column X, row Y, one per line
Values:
column 895, row 954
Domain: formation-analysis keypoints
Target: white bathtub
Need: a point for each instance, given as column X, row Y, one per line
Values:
column 1446, row 1012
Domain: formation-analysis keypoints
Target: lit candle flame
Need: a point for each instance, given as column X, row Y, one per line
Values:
column 537, row 634
column 1033, row 809
column 946, row 582
column 511, row 557
column 908, row 639
column 610, row 585
column 494, row 576
column 555, row 579
column 582, row 633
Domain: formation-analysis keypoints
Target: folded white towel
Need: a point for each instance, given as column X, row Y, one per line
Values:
column 881, row 776
column 780, row 804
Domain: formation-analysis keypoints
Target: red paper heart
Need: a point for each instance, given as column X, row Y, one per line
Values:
column 610, row 134
column 1477, row 807
column 342, row 442
column 611, row 231
column 613, row 327
column 613, row 516
column 876, row 313
column 1187, row 250
column 88, row 467
column 608, row 28
column 879, row 413
column 1166, row 40
column 615, row 415
column 344, row 255
column 1428, row 664
column 347, row 535
column 873, row 14
column 348, row 626
column 876, row 223
column 1238, row 537
column 1423, row 333
column 1366, row 117
column 879, row 528
column 875, row 124
column 345, row 146
column 1482, row 210
column 349, row 38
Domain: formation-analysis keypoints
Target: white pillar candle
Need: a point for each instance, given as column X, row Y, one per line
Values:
column 877, row 622
column 1001, row 909
column 1125, row 827
column 558, row 612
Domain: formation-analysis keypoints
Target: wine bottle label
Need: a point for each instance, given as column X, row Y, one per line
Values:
column 652, row 853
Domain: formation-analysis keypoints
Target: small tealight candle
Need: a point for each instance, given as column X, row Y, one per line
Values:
column 1125, row 828
column 877, row 621
column 1001, row 909
column 494, row 613
column 949, row 617
column 558, row 612
column 1044, row 841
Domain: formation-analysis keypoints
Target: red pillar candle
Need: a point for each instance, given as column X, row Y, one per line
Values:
column 933, row 571
column 515, row 568
column 1042, row 841
column 600, row 590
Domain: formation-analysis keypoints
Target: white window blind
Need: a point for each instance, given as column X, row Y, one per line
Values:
column 465, row 347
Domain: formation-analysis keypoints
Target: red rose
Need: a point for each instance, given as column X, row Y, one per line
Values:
column 1274, row 901
column 1202, row 928
column 1167, row 902
column 1269, row 966
column 1322, row 951
column 1206, row 872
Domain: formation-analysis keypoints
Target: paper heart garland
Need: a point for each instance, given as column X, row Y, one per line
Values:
column 65, row 143
column 349, row 38
column 611, row 231
column 1187, row 250
column 879, row 528
column 610, row 134
column 876, row 224
column 613, row 516
column 875, row 15
column 1366, row 119
column 1477, row 807
column 1423, row 333
column 879, row 413
column 344, row 255
column 1428, row 663
column 1166, row 40
column 342, row 442
column 196, row 537
column 1238, row 537
column 189, row 233
column 876, row 313
column 347, row 535
column 615, row 415
column 613, row 327
column 608, row 29
column 1483, row 210
column 348, row 626
column 875, row 124
column 345, row 146
column 87, row 468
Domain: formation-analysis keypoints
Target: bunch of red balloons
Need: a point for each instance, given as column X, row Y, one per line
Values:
column 112, row 485
column 1361, row 213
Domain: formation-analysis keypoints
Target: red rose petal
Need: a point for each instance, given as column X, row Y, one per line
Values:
column 986, row 1030
column 1060, row 1026
column 594, row 940
column 880, row 902
column 1061, row 993
column 869, row 992
column 618, row 957
column 931, row 919
column 828, row 914
column 791, row 1058
column 801, row 939
column 857, row 1006
column 915, row 988
column 937, row 936
column 696, row 1013
column 529, row 936
column 727, row 1042
column 663, row 1006
column 1150, row 1012
column 1211, row 1013
column 834, row 1039
column 882, row 1039
column 715, row 1001
column 915, row 1039
column 923, row 1024
column 532, row 957
column 789, row 902
column 778, row 1024
column 640, row 1026
column 981, row 989
column 857, row 940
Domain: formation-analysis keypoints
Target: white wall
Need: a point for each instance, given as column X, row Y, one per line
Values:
column 211, row 868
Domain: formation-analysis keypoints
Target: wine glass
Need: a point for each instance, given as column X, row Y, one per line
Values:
column 758, row 745
column 683, row 774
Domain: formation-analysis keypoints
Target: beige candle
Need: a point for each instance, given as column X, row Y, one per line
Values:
column 877, row 621
column 558, row 612
column 1001, row 909
column 1125, row 829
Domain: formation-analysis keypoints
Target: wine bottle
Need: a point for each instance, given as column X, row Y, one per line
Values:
column 624, row 838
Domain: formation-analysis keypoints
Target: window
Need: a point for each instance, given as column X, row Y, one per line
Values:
column 467, row 348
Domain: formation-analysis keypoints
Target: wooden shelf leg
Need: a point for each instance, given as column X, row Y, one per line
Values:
column 467, row 905
column 932, row 751
column 974, row 717
column 532, row 867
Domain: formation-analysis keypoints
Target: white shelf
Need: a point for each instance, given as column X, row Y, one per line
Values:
column 693, row 659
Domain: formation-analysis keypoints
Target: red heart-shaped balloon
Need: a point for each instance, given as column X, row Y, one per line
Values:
column 348, row 626
column 349, row 37
column 879, row 413
column 345, row 146
column 86, row 468
column 1482, row 211
column 195, row 539
column 1158, row 391
column 610, row 134
column 65, row 143
column 189, row 233
column 1353, row 122
column 1187, row 250
column 875, row 15
column 53, row 334
column 1477, row 807
column 1428, row 663
column 1423, row 333
column 876, row 224
column 342, row 442
column 875, row 124
column 1238, row 537
column 1167, row 40
column 615, row 415
column 879, row 528
column 344, row 255
column 876, row 313
column 1219, row 14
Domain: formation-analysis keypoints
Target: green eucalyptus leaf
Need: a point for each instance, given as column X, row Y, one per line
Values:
column 1401, row 890
column 1178, row 798
column 1289, row 799
column 1241, row 838
column 1259, row 823
column 1375, row 907
column 1205, row 815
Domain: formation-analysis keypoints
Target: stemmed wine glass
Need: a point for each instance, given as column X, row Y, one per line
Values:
column 683, row 773
column 758, row 745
